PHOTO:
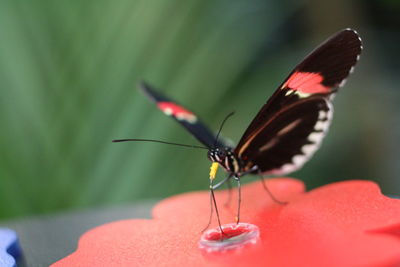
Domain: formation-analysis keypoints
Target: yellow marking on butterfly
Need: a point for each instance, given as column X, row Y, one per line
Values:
column 213, row 170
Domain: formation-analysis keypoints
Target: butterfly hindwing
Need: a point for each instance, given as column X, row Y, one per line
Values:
column 290, row 126
column 185, row 117
column 289, row 139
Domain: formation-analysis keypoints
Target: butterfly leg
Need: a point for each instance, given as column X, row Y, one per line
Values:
column 270, row 193
column 228, row 201
column 211, row 212
column 227, row 180
column 239, row 199
column 213, row 203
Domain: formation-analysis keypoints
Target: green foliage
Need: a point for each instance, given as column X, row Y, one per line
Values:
column 68, row 76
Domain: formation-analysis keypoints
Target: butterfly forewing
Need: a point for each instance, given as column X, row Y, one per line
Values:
column 332, row 61
column 185, row 117
column 290, row 126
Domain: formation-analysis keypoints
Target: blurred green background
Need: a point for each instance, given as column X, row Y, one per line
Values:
column 68, row 76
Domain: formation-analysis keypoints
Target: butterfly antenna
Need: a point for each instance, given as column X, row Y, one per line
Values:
column 222, row 125
column 156, row 141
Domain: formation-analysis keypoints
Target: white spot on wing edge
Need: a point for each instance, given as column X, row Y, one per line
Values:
column 322, row 115
column 316, row 137
column 167, row 111
column 342, row 83
column 321, row 125
column 309, row 149
column 297, row 92
column 301, row 94
column 288, row 92
column 186, row 117
column 299, row 160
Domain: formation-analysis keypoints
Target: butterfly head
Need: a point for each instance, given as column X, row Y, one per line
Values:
column 217, row 155
column 225, row 157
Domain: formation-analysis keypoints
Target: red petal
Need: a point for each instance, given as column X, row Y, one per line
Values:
column 342, row 224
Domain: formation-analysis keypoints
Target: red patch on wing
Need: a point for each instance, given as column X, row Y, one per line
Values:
column 307, row 82
column 178, row 112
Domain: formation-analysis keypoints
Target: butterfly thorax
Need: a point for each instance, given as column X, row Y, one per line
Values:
column 225, row 157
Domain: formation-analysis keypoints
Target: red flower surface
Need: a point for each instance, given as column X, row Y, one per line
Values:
column 342, row 224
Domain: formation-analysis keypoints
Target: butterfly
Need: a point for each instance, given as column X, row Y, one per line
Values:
column 289, row 127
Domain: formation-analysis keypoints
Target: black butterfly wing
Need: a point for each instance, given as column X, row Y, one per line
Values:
column 185, row 117
column 289, row 139
column 291, row 125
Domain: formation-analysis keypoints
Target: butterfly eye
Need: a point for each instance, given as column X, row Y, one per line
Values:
column 221, row 154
